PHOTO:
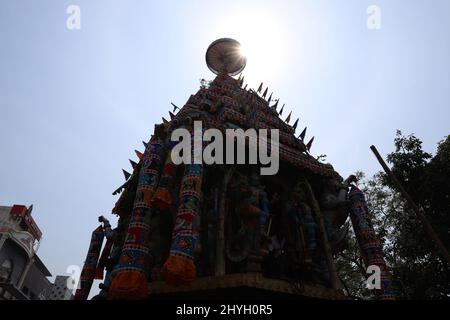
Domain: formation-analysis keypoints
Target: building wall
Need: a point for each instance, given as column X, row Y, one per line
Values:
column 60, row 290
column 12, row 251
column 4, row 216
column 36, row 285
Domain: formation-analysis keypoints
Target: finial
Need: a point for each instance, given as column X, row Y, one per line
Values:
column 223, row 56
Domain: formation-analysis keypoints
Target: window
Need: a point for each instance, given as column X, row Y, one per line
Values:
column 6, row 269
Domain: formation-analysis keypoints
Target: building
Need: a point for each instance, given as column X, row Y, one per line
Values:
column 23, row 276
column 60, row 290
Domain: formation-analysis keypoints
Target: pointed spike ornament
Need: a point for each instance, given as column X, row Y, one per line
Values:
column 295, row 124
column 171, row 115
column 308, row 146
column 260, row 88
column 303, row 134
column 270, row 98
column 265, row 93
column 133, row 164
column 145, row 144
column 126, row 174
column 139, row 154
column 288, row 119
column 245, row 88
column 281, row 110
column 165, row 123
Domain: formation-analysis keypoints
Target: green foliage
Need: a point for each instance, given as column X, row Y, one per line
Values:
column 410, row 254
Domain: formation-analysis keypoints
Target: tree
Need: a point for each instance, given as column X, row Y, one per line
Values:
column 412, row 257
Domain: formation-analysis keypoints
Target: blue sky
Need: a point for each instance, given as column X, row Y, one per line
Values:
column 74, row 104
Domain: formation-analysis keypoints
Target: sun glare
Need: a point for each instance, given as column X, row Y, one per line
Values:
column 243, row 51
column 262, row 42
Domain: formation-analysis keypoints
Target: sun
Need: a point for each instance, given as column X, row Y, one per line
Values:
column 243, row 51
column 262, row 41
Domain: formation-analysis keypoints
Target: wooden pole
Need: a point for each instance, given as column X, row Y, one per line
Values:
column 428, row 228
column 270, row 226
column 334, row 279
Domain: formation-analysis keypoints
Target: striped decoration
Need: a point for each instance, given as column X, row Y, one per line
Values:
column 369, row 243
column 90, row 265
column 129, row 278
column 103, row 259
column 180, row 267
column 162, row 199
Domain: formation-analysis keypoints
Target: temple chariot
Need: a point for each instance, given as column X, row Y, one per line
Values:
column 224, row 230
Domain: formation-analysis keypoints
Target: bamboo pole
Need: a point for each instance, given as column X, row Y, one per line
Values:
column 428, row 228
column 334, row 279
